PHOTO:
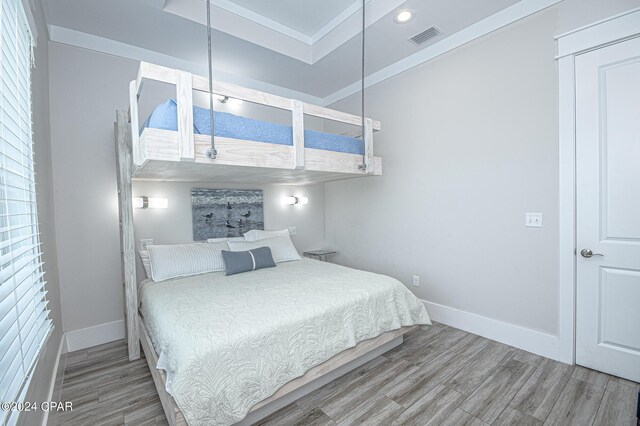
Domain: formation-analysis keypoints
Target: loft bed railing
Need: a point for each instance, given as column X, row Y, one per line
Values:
column 170, row 151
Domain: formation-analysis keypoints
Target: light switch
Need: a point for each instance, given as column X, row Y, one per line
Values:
column 293, row 231
column 533, row 220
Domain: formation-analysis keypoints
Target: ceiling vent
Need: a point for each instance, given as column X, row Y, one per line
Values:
column 427, row 34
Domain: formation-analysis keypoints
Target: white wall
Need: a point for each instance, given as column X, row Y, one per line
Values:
column 469, row 144
column 86, row 89
column 174, row 225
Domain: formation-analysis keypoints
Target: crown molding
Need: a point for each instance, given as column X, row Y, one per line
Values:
column 245, row 24
column 486, row 26
column 104, row 45
column 252, row 16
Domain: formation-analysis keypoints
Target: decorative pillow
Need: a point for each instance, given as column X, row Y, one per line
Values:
column 256, row 234
column 144, row 256
column 250, row 260
column 282, row 248
column 183, row 260
column 219, row 240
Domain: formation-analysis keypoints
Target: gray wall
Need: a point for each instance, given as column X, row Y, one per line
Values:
column 469, row 144
column 86, row 90
column 42, row 376
column 174, row 225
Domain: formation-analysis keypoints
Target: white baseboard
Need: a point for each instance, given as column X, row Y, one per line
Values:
column 54, row 376
column 527, row 339
column 94, row 336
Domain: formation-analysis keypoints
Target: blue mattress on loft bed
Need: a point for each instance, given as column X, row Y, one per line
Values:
column 165, row 116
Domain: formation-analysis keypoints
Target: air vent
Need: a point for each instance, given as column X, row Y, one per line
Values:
column 427, row 34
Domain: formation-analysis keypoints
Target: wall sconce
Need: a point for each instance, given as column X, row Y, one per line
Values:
column 150, row 203
column 295, row 200
column 231, row 101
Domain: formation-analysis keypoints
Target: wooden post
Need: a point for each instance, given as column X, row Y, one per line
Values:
column 184, row 99
column 368, row 144
column 133, row 119
column 297, row 110
column 127, row 243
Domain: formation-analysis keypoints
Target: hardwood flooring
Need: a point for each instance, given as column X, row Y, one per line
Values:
column 439, row 376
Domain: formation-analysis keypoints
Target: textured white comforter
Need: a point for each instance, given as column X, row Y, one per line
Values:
column 230, row 342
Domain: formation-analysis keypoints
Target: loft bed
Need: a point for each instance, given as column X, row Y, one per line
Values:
column 178, row 152
column 294, row 155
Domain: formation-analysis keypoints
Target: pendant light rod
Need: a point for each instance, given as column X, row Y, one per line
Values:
column 211, row 153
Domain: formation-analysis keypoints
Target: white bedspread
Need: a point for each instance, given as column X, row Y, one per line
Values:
column 230, row 342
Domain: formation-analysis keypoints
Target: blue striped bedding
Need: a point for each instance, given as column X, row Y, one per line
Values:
column 165, row 116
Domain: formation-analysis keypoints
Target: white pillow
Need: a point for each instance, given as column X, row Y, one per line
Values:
column 282, row 248
column 256, row 234
column 183, row 260
column 144, row 256
column 219, row 240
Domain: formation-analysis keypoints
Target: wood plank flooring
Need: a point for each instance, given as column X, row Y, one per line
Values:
column 439, row 376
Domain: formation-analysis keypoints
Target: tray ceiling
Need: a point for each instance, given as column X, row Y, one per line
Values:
column 311, row 47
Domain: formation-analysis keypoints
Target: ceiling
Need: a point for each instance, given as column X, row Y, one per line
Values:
column 312, row 46
column 307, row 17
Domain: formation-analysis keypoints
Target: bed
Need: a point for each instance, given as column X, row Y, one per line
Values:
column 227, row 344
column 165, row 116
column 173, row 143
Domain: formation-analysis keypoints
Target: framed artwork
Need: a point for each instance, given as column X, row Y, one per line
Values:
column 219, row 213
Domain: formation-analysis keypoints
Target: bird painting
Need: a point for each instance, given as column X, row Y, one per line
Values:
column 220, row 213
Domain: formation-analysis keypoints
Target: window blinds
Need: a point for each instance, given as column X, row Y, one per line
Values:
column 24, row 317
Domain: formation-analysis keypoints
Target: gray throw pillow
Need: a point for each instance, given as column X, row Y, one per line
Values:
column 244, row 261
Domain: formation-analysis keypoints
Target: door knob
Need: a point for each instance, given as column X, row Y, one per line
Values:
column 588, row 253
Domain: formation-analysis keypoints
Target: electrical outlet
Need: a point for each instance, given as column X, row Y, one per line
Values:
column 533, row 220
column 293, row 231
column 416, row 281
column 145, row 243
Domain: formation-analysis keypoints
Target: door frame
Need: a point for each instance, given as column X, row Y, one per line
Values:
column 609, row 31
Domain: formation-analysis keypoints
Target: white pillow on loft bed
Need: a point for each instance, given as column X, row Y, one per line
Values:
column 281, row 247
column 183, row 260
column 256, row 234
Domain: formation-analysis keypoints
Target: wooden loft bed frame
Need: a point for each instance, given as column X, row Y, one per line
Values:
column 182, row 155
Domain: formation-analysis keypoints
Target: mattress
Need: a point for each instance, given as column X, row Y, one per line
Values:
column 227, row 343
column 165, row 116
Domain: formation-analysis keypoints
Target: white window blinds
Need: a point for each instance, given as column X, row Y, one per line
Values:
column 24, row 318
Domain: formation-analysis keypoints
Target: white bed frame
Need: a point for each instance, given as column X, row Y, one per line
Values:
column 181, row 155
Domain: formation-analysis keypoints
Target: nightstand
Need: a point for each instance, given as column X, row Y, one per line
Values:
column 319, row 254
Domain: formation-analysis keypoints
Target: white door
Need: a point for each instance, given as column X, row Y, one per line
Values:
column 608, row 209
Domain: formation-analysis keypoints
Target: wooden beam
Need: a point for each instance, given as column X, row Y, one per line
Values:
column 133, row 119
column 368, row 145
column 342, row 117
column 297, row 121
column 127, row 239
column 184, row 99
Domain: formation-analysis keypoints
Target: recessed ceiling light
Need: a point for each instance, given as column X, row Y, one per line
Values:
column 404, row 16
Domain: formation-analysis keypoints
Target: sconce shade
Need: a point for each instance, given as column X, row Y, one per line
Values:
column 150, row 203
column 291, row 200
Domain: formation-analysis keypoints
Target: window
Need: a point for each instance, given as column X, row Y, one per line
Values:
column 24, row 318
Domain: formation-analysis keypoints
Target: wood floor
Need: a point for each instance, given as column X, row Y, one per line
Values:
column 439, row 376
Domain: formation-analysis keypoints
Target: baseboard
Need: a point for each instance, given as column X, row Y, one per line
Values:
column 527, row 339
column 54, row 377
column 94, row 336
